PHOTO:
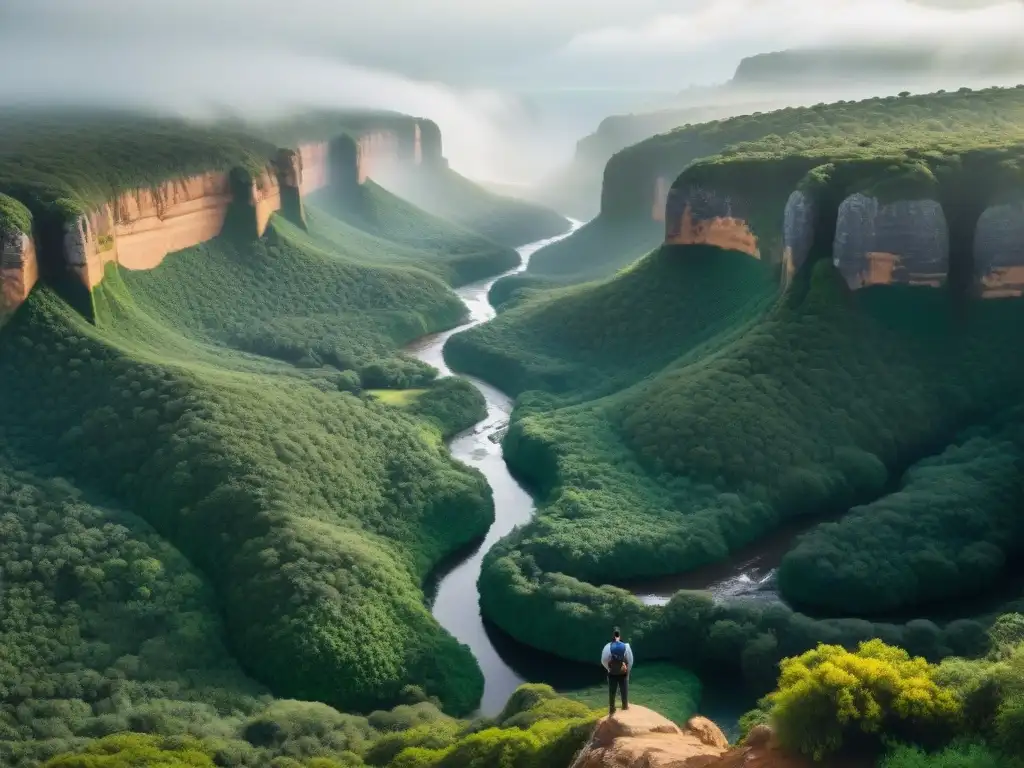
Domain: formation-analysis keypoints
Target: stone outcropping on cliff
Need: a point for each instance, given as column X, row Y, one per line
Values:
column 641, row 738
column 797, row 234
column 904, row 241
column 999, row 251
column 698, row 216
column 19, row 270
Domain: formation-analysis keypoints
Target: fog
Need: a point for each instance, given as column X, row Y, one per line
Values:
column 513, row 85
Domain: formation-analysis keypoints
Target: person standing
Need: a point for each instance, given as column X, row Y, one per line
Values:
column 617, row 660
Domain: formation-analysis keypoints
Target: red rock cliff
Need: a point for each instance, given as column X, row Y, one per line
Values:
column 19, row 270
column 313, row 170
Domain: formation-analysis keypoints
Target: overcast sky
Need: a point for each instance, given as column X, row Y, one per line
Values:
column 453, row 60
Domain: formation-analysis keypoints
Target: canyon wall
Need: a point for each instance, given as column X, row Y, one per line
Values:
column 139, row 228
column 19, row 270
column 376, row 153
column 313, row 170
column 797, row 234
column 999, row 251
column 698, row 216
column 904, row 241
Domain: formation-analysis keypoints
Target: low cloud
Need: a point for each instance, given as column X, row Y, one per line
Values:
column 760, row 25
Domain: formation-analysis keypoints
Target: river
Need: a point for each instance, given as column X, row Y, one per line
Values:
column 456, row 602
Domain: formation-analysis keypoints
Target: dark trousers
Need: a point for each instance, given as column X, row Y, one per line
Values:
column 620, row 682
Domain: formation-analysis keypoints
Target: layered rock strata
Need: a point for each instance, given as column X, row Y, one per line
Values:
column 905, row 241
column 797, row 234
column 696, row 216
column 999, row 251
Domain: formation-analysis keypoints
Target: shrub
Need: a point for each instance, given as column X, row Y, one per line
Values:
column 964, row 755
column 830, row 698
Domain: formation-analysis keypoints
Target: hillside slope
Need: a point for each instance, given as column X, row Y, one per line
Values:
column 196, row 460
column 683, row 409
column 446, row 194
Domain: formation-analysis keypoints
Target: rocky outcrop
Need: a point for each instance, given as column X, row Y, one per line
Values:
column 19, row 270
column 89, row 245
column 151, row 223
column 906, row 241
column 999, row 251
column 696, row 216
column 661, row 188
column 797, row 234
column 640, row 738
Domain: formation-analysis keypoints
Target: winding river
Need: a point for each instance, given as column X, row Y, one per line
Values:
column 456, row 603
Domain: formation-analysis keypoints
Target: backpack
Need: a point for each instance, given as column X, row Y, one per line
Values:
column 618, row 665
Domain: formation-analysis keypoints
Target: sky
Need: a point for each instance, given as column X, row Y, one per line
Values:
column 461, row 62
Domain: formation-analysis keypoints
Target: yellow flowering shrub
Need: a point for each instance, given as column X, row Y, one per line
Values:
column 830, row 698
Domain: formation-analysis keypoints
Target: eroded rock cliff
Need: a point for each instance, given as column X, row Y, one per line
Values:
column 999, row 251
column 797, row 234
column 698, row 216
column 314, row 170
column 19, row 270
column 904, row 241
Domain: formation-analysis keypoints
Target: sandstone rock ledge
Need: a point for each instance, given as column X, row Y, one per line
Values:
column 640, row 738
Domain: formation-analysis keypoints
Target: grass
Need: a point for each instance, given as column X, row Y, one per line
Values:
column 400, row 398
column 665, row 688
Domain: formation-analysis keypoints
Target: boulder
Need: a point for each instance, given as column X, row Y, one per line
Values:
column 641, row 738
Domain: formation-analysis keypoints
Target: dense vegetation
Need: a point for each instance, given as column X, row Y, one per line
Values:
column 874, row 127
column 536, row 728
column 860, row 703
column 205, row 479
column 682, row 391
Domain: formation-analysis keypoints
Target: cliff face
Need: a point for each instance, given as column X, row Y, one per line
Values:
column 999, row 251
column 313, row 168
column 797, row 234
column 139, row 228
column 697, row 216
column 661, row 189
column 906, row 241
column 19, row 270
